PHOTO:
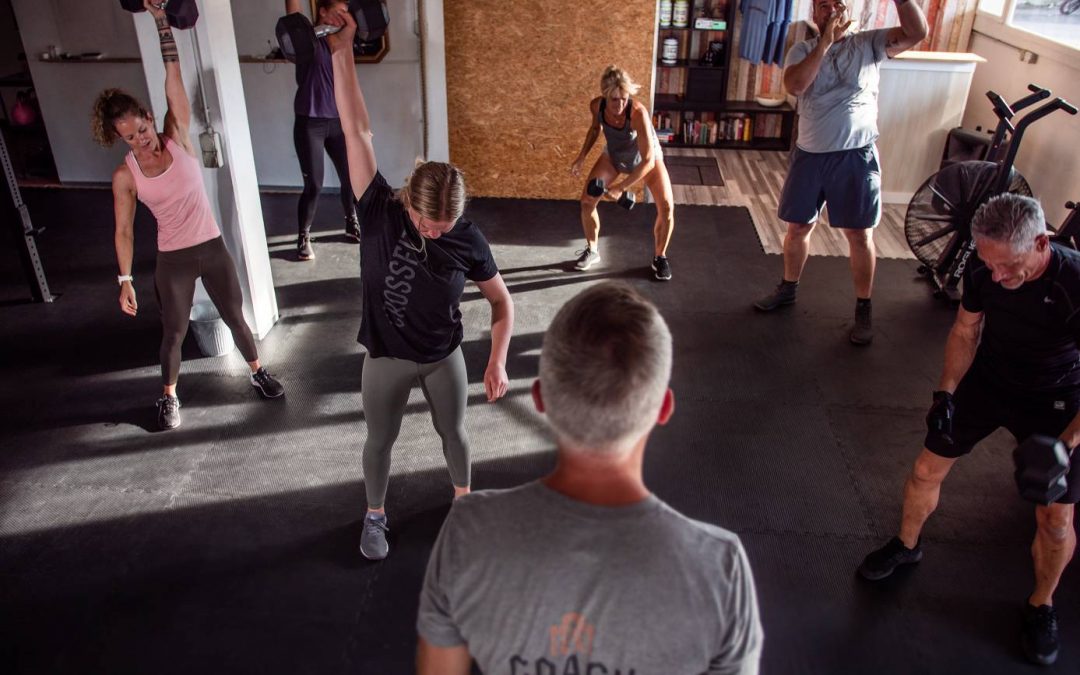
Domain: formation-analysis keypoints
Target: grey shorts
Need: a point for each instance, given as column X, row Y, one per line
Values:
column 848, row 180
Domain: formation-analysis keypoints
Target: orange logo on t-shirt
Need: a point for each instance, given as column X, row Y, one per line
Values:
column 574, row 634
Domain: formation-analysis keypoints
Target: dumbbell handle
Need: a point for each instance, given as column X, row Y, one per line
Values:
column 322, row 30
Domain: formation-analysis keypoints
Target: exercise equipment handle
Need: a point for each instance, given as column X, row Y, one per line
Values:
column 1001, row 108
column 1038, row 95
column 322, row 30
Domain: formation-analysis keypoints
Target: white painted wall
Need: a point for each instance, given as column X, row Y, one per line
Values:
column 1048, row 155
column 391, row 89
column 66, row 91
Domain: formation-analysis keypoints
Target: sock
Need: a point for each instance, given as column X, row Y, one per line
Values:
column 862, row 302
column 376, row 516
column 789, row 284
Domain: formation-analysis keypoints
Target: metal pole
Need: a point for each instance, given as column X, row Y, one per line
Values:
column 12, row 199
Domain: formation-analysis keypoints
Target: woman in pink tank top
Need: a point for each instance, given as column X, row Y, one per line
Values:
column 162, row 172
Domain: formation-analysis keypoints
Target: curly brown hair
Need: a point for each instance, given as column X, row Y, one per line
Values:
column 111, row 105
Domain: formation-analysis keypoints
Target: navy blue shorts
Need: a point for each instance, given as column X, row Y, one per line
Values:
column 983, row 405
column 849, row 181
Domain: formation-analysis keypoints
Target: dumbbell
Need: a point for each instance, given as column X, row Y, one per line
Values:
column 181, row 14
column 296, row 36
column 596, row 188
column 1041, row 465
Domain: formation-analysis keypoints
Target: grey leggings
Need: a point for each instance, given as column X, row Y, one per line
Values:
column 384, row 388
column 174, row 282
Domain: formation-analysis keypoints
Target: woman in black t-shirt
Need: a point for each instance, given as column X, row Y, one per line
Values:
column 416, row 251
column 318, row 126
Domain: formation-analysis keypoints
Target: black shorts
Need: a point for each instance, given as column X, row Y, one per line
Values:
column 982, row 406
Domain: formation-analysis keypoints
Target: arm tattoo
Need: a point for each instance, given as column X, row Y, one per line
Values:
column 168, row 42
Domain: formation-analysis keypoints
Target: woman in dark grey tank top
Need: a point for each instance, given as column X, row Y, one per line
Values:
column 631, row 154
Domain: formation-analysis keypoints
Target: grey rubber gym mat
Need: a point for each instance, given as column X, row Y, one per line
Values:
column 230, row 543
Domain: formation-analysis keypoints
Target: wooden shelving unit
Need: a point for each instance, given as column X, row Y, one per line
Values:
column 694, row 95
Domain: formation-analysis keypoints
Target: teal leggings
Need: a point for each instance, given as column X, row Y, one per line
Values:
column 384, row 388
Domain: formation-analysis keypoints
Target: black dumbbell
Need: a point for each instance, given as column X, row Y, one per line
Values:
column 1041, row 465
column 296, row 36
column 596, row 188
column 181, row 14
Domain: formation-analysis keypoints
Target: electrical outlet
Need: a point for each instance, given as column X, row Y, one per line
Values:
column 1028, row 56
column 210, row 143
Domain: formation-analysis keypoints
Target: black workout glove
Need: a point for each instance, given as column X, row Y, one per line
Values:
column 940, row 417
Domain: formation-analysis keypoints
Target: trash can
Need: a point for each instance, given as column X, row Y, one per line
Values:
column 211, row 334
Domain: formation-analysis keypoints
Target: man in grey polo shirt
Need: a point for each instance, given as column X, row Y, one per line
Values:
column 552, row 576
column 835, row 77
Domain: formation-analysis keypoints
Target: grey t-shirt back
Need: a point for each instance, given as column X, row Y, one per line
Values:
column 535, row 582
column 839, row 110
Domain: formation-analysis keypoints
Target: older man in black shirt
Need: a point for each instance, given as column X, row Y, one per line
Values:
column 1011, row 360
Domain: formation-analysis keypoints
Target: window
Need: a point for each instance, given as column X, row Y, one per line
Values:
column 1048, row 28
column 1057, row 20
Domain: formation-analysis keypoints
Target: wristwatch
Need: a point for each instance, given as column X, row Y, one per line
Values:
column 124, row 277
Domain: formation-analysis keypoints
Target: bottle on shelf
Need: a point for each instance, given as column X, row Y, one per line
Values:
column 665, row 13
column 680, row 13
column 669, row 56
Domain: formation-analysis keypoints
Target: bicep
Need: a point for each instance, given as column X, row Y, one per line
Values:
column 360, row 153
column 968, row 323
column 898, row 42
column 494, row 290
column 124, row 197
column 433, row 660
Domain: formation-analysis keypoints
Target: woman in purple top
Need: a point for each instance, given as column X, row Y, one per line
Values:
column 318, row 126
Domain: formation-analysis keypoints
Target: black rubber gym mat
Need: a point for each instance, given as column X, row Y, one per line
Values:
column 232, row 540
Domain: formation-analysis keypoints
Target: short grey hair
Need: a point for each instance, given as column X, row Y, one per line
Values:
column 1010, row 219
column 604, row 368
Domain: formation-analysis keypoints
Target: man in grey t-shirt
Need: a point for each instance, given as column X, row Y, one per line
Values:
column 585, row 571
column 835, row 77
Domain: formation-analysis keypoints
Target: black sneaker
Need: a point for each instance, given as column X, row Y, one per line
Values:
column 303, row 248
column 862, row 332
column 352, row 228
column 784, row 294
column 168, row 412
column 883, row 561
column 266, row 384
column 1040, row 637
column 662, row 268
column 373, row 544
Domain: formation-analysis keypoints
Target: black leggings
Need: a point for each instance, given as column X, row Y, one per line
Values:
column 311, row 135
column 174, row 282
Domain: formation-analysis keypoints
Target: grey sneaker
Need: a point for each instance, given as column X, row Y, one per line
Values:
column 882, row 562
column 586, row 259
column 303, row 248
column 373, row 544
column 784, row 294
column 168, row 412
column 862, row 333
column 352, row 228
column 662, row 268
column 267, row 385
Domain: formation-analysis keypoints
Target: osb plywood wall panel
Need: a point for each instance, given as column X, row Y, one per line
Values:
column 950, row 24
column 519, row 78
